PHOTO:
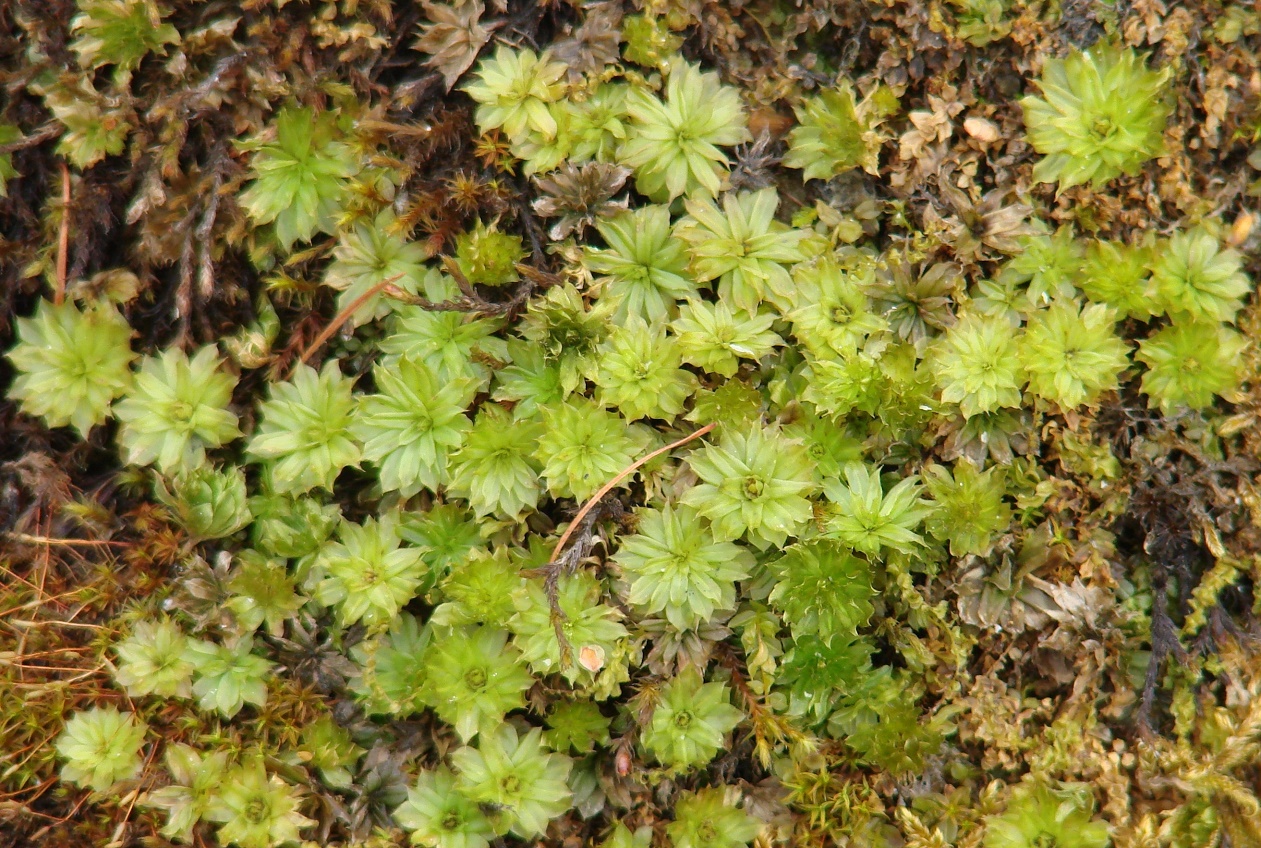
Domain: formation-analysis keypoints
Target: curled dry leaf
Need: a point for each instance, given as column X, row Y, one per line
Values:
column 453, row 37
column 981, row 129
column 594, row 45
column 580, row 195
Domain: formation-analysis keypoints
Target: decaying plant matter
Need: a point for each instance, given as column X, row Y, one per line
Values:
column 469, row 424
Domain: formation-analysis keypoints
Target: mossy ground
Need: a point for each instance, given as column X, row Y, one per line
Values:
column 1107, row 639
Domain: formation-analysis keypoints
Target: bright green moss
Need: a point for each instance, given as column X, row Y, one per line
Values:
column 263, row 592
column 120, row 33
column 1102, row 114
column 412, row 425
column 755, row 485
column 1119, row 275
column 675, row 143
column 639, row 373
column 101, row 747
column 1189, row 363
column 370, row 575
column 300, row 178
column 822, row 589
column 1037, row 816
column 196, row 778
column 704, row 819
column 153, row 660
column 741, row 246
column 514, row 774
column 513, row 89
column 472, row 678
column 488, row 256
column 591, row 629
column 438, row 813
column 715, row 337
column 869, row 519
column 690, row 722
column 369, row 253
column 1196, row 278
column 887, row 428
column 229, row 676
column 1072, row 355
column 176, row 409
column 978, row 365
column 677, row 568
column 71, row 363
column 495, row 469
column 305, row 433
column 837, row 132
column 582, row 446
column 257, row 810
column 644, row 268
column 969, row 506
column 453, row 344
column 207, row 502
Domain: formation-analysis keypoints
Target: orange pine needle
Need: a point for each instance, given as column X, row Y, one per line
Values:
column 341, row 318
column 63, row 237
column 607, row 487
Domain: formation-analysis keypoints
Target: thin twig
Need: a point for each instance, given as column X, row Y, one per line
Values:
column 29, row 539
column 63, row 237
column 48, row 131
column 470, row 301
column 81, row 625
column 341, row 318
column 562, row 562
column 525, row 214
column 38, row 602
column 622, row 475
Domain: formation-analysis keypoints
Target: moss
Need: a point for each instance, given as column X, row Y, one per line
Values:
column 818, row 485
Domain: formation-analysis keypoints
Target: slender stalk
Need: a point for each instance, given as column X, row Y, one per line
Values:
column 607, row 487
column 63, row 237
column 342, row 316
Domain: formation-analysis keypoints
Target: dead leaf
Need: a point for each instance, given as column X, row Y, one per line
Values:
column 453, row 37
column 981, row 129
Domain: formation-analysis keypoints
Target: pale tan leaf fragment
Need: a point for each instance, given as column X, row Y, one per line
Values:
column 453, row 37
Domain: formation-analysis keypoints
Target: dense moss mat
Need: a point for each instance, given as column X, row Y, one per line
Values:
column 678, row 423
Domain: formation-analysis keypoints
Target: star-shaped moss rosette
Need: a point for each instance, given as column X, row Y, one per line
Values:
column 644, row 267
column 370, row 573
column 514, row 88
column 755, row 484
column 305, row 434
column 257, row 810
column 742, row 246
column 71, row 363
column 689, row 722
column 677, row 568
column 1102, row 114
column 515, row 775
column 437, row 812
column 101, row 746
column 153, row 659
column 301, row 176
column 1039, row 815
column 706, row 819
column 591, row 630
column 177, row 409
column 473, row 677
column 674, row 144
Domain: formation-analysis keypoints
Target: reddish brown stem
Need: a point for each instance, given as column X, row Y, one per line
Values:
column 607, row 487
column 341, row 317
column 63, row 237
